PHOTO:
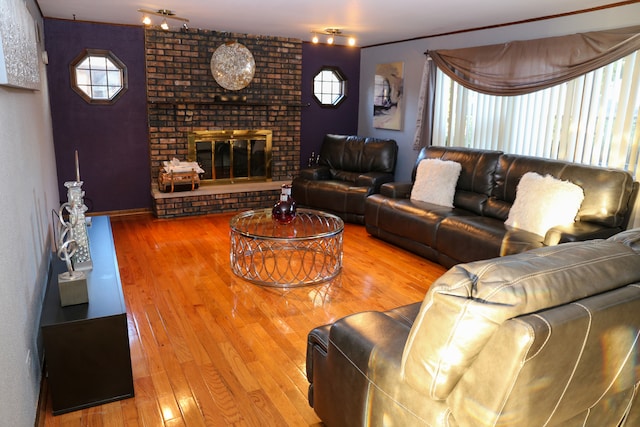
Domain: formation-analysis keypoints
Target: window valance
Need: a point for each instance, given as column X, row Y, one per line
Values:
column 520, row 67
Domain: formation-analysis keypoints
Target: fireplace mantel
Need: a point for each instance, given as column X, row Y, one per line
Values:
column 200, row 102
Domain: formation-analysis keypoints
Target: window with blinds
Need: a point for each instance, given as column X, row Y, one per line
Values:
column 592, row 119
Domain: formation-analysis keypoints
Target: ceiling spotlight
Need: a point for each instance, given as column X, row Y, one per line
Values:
column 331, row 34
column 165, row 14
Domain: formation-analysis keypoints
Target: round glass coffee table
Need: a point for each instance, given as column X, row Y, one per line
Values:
column 306, row 251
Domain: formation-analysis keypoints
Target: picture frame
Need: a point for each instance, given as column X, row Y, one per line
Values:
column 19, row 57
column 388, row 96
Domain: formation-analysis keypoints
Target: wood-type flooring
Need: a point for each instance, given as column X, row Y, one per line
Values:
column 211, row 349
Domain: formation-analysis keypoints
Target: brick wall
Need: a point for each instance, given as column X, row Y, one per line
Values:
column 188, row 203
column 181, row 91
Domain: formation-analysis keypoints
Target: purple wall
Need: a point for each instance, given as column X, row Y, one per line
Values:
column 112, row 140
column 316, row 120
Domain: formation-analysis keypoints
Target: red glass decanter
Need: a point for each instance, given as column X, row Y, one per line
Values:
column 285, row 210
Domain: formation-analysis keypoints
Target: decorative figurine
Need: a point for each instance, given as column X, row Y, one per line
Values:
column 76, row 208
column 72, row 284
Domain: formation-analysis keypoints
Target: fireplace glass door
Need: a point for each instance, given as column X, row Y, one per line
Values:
column 232, row 156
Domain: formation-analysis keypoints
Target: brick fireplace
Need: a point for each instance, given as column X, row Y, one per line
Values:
column 183, row 98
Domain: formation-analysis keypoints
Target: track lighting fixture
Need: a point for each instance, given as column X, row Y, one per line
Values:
column 165, row 14
column 331, row 34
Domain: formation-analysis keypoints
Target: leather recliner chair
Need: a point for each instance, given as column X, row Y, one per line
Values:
column 349, row 169
column 548, row 337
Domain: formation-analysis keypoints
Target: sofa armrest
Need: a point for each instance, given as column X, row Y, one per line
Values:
column 340, row 374
column 317, row 340
column 316, row 173
column 373, row 180
column 397, row 190
column 516, row 241
column 578, row 231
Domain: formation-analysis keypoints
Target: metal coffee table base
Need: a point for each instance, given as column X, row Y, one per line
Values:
column 305, row 252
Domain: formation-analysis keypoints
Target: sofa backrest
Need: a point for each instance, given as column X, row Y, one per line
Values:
column 572, row 365
column 476, row 179
column 355, row 154
column 465, row 306
column 607, row 192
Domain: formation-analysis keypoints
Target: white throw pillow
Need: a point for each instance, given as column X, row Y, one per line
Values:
column 543, row 202
column 436, row 181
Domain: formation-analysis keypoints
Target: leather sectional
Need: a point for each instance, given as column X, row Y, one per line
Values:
column 349, row 169
column 474, row 228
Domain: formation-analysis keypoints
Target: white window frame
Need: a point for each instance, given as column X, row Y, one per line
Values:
column 329, row 87
column 98, row 76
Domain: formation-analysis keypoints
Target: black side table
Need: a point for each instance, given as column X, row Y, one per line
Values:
column 86, row 346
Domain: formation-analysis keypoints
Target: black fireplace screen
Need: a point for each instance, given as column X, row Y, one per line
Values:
column 232, row 156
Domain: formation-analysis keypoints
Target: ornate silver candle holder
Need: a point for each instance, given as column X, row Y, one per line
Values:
column 75, row 209
column 72, row 284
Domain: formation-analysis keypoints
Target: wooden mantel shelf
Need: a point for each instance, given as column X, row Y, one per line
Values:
column 224, row 103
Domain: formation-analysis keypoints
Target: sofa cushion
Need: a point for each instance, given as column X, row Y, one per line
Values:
column 358, row 154
column 481, row 237
column 335, row 196
column 606, row 191
column 436, row 182
column 543, row 202
column 468, row 303
column 476, row 176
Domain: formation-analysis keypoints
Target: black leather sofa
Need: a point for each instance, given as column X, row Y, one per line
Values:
column 474, row 229
column 349, row 169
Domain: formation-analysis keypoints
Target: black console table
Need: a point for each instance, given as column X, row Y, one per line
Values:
column 86, row 346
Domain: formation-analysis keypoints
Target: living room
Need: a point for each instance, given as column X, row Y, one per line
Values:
column 35, row 173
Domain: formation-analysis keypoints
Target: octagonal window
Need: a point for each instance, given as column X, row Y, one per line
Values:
column 329, row 87
column 98, row 76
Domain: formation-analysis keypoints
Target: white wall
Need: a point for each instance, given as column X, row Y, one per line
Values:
column 28, row 193
column 412, row 54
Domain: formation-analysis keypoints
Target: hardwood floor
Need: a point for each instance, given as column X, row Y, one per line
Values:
column 210, row 349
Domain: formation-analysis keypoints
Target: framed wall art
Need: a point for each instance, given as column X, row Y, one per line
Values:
column 19, row 60
column 387, row 99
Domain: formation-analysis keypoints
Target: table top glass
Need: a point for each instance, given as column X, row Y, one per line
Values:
column 307, row 224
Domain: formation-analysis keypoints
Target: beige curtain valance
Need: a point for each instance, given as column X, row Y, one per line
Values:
column 520, row 67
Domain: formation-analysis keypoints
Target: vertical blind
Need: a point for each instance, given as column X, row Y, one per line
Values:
column 592, row 119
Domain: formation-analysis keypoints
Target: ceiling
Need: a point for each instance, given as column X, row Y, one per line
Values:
column 371, row 21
